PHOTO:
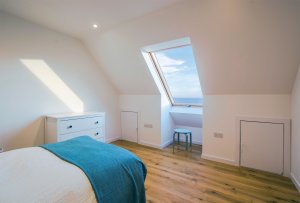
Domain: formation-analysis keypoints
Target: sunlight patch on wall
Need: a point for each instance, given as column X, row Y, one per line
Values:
column 49, row 78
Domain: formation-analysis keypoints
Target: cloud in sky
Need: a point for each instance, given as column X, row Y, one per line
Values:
column 167, row 61
column 180, row 72
column 185, row 86
column 170, row 69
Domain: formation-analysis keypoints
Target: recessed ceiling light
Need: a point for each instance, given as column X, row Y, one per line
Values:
column 95, row 26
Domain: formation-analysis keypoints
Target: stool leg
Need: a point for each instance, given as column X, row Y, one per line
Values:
column 178, row 142
column 174, row 141
column 186, row 142
column 191, row 142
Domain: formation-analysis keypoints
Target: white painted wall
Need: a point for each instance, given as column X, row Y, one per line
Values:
column 148, row 107
column 220, row 112
column 167, row 124
column 295, row 172
column 24, row 99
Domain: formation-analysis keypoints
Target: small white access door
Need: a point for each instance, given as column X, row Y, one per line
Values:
column 262, row 146
column 129, row 125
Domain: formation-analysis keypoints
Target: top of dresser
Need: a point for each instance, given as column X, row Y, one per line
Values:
column 75, row 115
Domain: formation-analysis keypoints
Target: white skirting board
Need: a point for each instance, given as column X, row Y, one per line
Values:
column 166, row 144
column 194, row 142
column 171, row 141
column 218, row 159
column 112, row 139
column 295, row 181
column 141, row 143
column 150, row 144
column 147, row 143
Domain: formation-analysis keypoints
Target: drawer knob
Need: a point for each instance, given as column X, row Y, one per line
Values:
column 97, row 122
column 70, row 126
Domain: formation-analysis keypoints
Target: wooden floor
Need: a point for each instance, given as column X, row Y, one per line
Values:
column 185, row 177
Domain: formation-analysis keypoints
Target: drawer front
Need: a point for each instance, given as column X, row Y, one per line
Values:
column 97, row 134
column 81, row 124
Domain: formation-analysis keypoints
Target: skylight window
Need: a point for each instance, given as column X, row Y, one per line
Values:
column 178, row 72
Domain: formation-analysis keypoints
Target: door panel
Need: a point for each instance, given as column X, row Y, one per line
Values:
column 129, row 122
column 262, row 146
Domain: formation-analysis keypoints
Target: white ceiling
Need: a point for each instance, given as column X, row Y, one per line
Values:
column 241, row 46
column 75, row 17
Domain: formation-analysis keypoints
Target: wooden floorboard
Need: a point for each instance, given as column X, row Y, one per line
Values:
column 185, row 177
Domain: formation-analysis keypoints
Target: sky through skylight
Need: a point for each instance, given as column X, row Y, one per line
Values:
column 180, row 71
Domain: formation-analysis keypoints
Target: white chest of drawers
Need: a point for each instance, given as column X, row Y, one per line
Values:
column 62, row 127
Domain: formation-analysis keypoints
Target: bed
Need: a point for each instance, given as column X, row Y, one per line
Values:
column 76, row 170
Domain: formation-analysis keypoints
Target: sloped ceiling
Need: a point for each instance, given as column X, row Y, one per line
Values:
column 75, row 17
column 241, row 46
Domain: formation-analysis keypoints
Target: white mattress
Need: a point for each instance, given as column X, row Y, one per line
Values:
column 36, row 175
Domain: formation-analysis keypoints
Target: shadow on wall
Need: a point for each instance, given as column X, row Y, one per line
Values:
column 31, row 135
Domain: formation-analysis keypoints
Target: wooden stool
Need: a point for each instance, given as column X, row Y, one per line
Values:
column 187, row 133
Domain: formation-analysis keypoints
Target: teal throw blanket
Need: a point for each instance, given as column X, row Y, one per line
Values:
column 116, row 175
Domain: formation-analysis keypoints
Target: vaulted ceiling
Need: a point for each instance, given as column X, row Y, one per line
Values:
column 75, row 17
column 241, row 46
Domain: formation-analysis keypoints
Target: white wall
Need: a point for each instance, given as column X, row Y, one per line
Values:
column 24, row 99
column 167, row 124
column 148, row 107
column 295, row 172
column 220, row 112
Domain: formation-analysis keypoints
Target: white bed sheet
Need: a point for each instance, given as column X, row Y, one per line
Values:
column 36, row 175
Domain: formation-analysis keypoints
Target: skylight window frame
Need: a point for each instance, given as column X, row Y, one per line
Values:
column 163, row 79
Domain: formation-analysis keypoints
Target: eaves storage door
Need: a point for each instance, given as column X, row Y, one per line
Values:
column 129, row 122
column 262, row 146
